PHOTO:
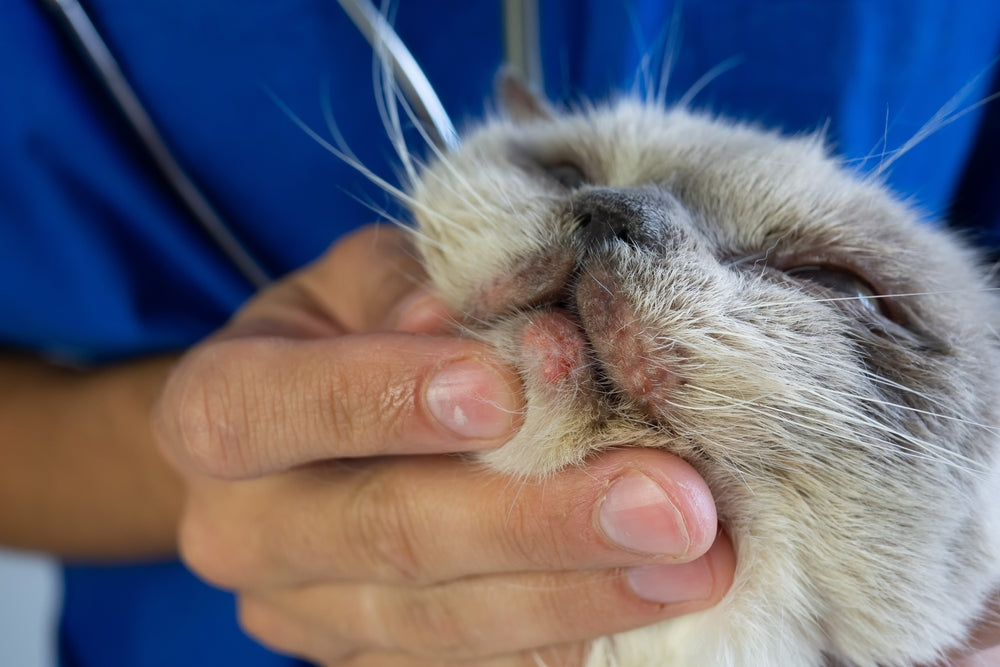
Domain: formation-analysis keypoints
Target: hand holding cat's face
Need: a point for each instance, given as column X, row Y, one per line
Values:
column 313, row 434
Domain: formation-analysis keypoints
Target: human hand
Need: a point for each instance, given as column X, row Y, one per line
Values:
column 314, row 443
column 984, row 645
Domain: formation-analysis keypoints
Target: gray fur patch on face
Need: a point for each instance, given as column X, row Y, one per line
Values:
column 826, row 361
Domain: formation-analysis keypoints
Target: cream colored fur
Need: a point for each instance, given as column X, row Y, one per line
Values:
column 854, row 459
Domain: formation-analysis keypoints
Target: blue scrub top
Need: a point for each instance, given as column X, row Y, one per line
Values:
column 99, row 261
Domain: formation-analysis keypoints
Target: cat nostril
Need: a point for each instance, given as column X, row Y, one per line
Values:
column 622, row 234
column 604, row 227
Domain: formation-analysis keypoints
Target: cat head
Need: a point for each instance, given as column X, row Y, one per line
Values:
column 826, row 359
column 662, row 274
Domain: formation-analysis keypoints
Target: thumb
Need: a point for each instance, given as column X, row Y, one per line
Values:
column 371, row 280
column 374, row 280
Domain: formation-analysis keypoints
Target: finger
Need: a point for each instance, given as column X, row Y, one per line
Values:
column 573, row 655
column 245, row 407
column 986, row 658
column 422, row 312
column 287, row 633
column 488, row 616
column 389, row 284
column 987, row 633
column 421, row 520
column 371, row 280
column 983, row 647
column 382, row 268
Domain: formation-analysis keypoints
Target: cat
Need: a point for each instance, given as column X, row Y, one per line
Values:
column 825, row 359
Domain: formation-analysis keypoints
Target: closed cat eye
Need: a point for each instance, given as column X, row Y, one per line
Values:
column 842, row 281
column 567, row 174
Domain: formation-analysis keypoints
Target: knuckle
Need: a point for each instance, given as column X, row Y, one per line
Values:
column 253, row 619
column 209, row 417
column 260, row 622
column 532, row 538
column 284, row 631
column 345, row 414
column 393, row 409
column 204, row 552
column 570, row 603
column 430, row 627
column 572, row 655
column 218, row 546
column 371, row 415
column 382, row 517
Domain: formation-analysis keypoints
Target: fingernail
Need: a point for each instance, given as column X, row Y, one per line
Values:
column 670, row 584
column 472, row 400
column 638, row 515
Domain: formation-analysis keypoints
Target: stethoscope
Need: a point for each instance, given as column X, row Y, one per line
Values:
column 522, row 53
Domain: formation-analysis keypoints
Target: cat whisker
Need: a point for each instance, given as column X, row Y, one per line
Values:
column 723, row 361
column 945, row 116
column 601, row 284
column 924, row 396
column 943, row 454
column 730, row 63
column 670, row 51
column 326, row 105
column 401, row 196
column 459, row 186
column 852, row 426
column 388, row 110
column 835, row 299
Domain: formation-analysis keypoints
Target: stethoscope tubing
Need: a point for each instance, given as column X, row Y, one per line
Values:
column 521, row 52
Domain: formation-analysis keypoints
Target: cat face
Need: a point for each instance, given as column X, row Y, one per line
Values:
column 662, row 269
column 822, row 357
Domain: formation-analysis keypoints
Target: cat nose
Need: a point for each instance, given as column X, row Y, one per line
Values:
column 636, row 216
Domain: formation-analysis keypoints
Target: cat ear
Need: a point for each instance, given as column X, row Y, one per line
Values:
column 518, row 101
